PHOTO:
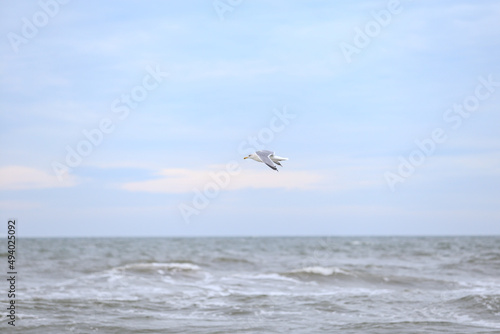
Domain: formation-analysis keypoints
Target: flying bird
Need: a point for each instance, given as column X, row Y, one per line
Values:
column 267, row 157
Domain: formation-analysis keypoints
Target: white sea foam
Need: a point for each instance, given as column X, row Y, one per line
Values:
column 271, row 277
column 325, row 271
column 170, row 266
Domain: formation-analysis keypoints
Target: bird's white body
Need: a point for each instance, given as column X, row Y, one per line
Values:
column 266, row 157
column 273, row 157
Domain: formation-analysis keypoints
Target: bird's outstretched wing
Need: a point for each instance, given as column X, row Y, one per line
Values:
column 264, row 156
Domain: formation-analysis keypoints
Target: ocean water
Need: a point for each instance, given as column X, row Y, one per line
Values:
column 257, row 285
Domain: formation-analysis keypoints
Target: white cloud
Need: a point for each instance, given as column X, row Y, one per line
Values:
column 21, row 178
column 181, row 180
column 268, row 179
column 19, row 205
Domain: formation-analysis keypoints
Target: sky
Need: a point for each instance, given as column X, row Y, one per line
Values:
column 132, row 118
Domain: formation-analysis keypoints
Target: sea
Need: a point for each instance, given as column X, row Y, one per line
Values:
column 287, row 285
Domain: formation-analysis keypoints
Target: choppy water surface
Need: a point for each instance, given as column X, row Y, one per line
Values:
column 258, row 285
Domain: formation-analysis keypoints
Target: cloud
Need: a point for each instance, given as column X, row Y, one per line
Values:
column 19, row 205
column 285, row 179
column 179, row 180
column 22, row 178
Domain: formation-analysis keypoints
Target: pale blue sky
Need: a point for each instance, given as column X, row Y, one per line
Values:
column 349, row 123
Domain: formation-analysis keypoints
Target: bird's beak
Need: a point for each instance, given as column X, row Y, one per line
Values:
column 245, row 157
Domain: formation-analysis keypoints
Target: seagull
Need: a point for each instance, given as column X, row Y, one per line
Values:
column 267, row 157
